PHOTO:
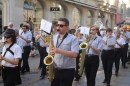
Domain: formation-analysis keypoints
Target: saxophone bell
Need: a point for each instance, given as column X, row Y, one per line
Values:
column 48, row 60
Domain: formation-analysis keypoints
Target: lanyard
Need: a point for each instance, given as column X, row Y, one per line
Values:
column 91, row 43
column 58, row 45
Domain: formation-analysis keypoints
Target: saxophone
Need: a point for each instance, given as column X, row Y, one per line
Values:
column 48, row 60
column 83, row 46
column 45, row 38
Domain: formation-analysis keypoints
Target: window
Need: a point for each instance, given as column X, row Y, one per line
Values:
column 58, row 14
column 33, row 12
column 75, row 17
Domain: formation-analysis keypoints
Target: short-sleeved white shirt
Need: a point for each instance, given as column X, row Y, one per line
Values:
column 27, row 35
column 120, row 41
column 17, row 54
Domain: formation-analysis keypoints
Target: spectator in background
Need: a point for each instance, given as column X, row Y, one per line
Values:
column 21, row 30
column 10, row 25
column 5, row 28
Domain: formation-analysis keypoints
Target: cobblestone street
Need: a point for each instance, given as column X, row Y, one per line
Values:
column 33, row 78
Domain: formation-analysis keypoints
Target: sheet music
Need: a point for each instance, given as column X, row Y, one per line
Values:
column 45, row 26
column 84, row 30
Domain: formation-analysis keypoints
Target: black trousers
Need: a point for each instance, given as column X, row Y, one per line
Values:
column 124, row 57
column 26, row 53
column 118, row 55
column 63, row 77
column 108, row 58
column 128, row 57
column 91, row 67
column 9, row 75
column 77, row 66
column 43, row 54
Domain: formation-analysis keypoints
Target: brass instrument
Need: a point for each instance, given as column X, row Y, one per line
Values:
column 48, row 60
column 44, row 37
column 1, row 45
column 83, row 46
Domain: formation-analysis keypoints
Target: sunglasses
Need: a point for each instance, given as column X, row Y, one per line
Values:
column 61, row 25
column 7, row 37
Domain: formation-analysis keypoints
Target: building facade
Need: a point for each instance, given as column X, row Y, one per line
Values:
column 79, row 12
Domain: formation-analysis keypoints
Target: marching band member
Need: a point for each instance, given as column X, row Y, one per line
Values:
column 21, row 44
column 118, row 50
column 126, row 37
column 11, row 54
column 43, row 54
column 92, row 56
column 80, row 39
column 107, row 55
column 26, row 36
column 66, row 50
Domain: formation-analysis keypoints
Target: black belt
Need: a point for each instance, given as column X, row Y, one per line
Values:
column 3, row 67
column 91, row 55
column 118, row 48
column 59, row 69
column 109, row 50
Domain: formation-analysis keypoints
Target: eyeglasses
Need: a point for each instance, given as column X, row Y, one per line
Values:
column 61, row 25
column 7, row 37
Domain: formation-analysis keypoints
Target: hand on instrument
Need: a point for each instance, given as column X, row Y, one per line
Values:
column 1, row 57
column 47, row 44
column 104, row 42
column 21, row 36
column 54, row 50
column 111, row 46
column 89, row 46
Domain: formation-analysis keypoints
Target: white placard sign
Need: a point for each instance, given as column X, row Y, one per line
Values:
column 45, row 26
column 84, row 30
column 99, row 24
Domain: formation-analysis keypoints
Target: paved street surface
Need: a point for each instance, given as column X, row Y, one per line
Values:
column 32, row 78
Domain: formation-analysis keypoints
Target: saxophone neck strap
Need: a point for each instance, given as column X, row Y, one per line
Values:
column 58, row 45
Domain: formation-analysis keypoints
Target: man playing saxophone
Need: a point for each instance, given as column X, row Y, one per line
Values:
column 66, row 50
column 92, row 55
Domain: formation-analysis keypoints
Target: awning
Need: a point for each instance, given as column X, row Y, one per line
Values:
column 26, row 6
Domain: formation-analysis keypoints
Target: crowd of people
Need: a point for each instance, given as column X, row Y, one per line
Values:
column 108, row 44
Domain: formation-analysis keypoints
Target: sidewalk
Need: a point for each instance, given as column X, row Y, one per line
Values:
column 33, row 78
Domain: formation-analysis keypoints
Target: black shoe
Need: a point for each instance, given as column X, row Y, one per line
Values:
column 104, row 81
column 22, row 73
column 27, row 71
column 108, row 84
column 39, row 68
column 116, row 74
column 125, row 67
column 42, row 77
column 77, row 79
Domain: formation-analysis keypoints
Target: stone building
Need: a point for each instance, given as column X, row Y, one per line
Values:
column 79, row 12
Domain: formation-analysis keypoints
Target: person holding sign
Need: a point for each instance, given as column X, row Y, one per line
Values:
column 66, row 50
column 92, row 55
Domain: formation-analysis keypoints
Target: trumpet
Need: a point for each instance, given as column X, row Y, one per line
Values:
column 49, row 61
column 83, row 46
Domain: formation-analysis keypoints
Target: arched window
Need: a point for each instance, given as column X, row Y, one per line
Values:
column 58, row 14
column 89, row 19
column 33, row 12
column 75, row 17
